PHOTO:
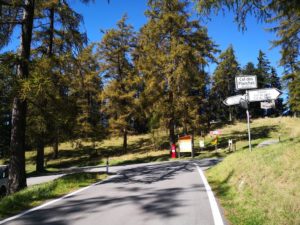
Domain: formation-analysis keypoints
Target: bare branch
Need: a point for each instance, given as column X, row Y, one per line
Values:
column 11, row 22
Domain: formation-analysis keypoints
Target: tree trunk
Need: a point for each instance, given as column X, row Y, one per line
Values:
column 172, row 120
column 51, row 32
column 124, row 140
column 50, row 54
column 185, row 128
column 172, row 132
column 55, row 147
column 17, row 174
column 40, row 155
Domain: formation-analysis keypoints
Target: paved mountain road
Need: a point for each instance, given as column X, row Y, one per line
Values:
column 165, row 193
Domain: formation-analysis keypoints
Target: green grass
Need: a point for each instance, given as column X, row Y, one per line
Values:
column 141, row 149
column 262, row 186
column 38, row 194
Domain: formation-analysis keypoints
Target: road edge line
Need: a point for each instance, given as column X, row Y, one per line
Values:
column 218, row 220
column 53, row 201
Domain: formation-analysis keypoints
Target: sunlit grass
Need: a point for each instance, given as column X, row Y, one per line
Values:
column 37, row 194
column 85, row 153
column 261, row 187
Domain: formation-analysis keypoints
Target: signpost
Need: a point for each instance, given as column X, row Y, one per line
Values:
column 186, row 144
column 233, row 100
column 245, row 82
column 265, row 94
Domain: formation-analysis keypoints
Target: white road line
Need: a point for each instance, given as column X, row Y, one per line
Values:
column 53, row 201
column 212, row 201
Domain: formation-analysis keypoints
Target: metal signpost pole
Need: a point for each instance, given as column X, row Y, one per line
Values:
column 248, row 122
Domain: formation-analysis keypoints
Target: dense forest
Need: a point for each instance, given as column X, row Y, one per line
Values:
column 57, row 86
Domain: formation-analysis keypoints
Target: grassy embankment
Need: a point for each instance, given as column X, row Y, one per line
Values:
column 256, row 187
column 262, row 186
column 38, row 194
column 141, row 149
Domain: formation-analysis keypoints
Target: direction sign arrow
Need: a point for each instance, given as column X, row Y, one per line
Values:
column 266, row 94
column 233, row 100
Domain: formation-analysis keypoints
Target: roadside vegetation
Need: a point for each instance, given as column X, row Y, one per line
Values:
column 258, row 187
column 38, row 194
column 141, row 149
column 262, row 186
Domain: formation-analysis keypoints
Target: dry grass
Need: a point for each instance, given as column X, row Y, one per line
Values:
column 85, row 153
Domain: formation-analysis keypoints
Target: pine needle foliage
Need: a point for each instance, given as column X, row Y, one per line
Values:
column 172, row 52
column 120, row 78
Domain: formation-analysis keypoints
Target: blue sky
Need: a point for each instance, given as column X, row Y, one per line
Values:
column 223, row 31
column 221, row 28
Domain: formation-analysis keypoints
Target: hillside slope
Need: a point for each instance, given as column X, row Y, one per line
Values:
column 262, row 186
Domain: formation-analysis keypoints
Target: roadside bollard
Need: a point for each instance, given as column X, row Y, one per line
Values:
column 230, row 145
column 107, row 165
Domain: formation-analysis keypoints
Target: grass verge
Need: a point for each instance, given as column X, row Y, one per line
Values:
column 38, row 194
column 262, row 186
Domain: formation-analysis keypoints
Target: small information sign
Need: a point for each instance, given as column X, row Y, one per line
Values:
column 185, row 143
column 267, row 105
column 245, row 82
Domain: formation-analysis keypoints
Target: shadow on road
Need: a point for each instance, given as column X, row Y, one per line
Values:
column 138, row 187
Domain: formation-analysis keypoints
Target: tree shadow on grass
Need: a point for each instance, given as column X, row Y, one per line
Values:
column 256, row 133
column 222, row 188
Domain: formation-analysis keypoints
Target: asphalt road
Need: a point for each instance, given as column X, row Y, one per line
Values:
column 165, row 193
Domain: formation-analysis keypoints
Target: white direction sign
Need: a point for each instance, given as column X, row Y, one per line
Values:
column 245, row 82
column 260, row 95
column 233, row 100
column 267, row 105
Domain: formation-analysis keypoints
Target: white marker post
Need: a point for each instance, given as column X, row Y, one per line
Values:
column 248, row 121
column 107, row 165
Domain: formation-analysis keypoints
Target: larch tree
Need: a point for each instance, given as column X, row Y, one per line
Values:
column 284, row 17
column 12, row 14
column 58, row 35
column 224, row 84
column 172, row 53
column 119, row 78
column 86, row 88
column 18, row 13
